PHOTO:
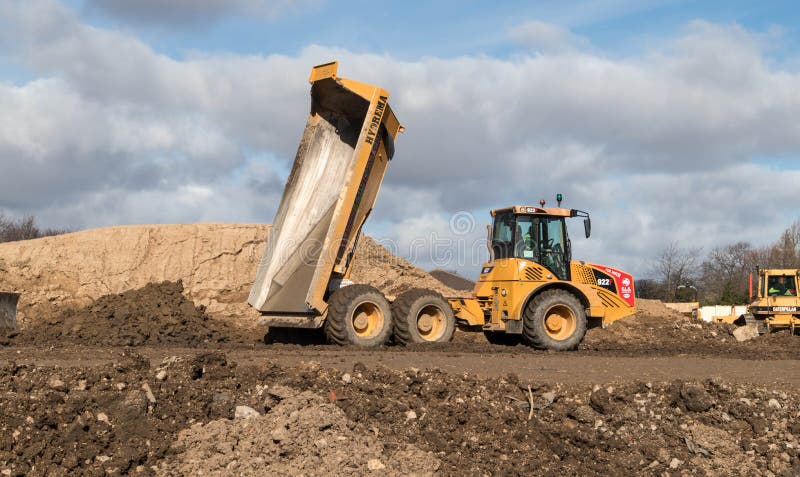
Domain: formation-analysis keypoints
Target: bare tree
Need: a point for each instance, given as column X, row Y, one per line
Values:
column 23, row 229
column 785, row 253
column 648, row 288
column 675, row 265
column 725, row 274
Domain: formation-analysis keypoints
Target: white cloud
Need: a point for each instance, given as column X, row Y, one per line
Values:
column 659, row 147
column 546, row 37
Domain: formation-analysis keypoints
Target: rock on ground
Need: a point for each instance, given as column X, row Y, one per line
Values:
column 744, row 333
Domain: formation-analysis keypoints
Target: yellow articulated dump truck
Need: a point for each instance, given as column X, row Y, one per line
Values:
column 530, row 289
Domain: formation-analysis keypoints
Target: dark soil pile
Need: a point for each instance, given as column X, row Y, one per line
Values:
column 128, row 417
column 156, row 314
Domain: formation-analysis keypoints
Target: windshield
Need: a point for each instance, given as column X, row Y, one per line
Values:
column 541, row 239
column 781, row 285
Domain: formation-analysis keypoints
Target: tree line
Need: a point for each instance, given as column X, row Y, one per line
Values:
column 722, row 277
column 25, row 228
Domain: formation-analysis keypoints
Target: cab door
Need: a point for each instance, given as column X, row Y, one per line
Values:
column 553, row 246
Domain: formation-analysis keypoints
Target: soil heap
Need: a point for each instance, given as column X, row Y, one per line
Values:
column 657, row 328
column 156, row 314
column 215, row 262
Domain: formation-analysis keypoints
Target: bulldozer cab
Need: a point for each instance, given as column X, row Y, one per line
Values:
column 534, row 234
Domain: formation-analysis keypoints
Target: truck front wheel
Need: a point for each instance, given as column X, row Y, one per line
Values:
column 554, row 320
column 358, row 315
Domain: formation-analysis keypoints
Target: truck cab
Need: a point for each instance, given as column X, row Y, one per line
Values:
column 531, row 281
column 536, row 235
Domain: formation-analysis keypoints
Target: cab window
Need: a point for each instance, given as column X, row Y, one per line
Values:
column 781, row 285
column 503, row 236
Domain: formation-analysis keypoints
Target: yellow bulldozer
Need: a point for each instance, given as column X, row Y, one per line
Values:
column 529, row 290
column 775, row 304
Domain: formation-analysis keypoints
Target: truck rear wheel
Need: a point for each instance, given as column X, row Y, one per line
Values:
column 554, row 320
column 422, row 316
column 358, row 315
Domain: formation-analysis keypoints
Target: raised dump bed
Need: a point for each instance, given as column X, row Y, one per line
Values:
column 346, row 146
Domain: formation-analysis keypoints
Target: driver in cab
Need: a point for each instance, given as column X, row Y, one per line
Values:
column 779, row 287
column 526, row 244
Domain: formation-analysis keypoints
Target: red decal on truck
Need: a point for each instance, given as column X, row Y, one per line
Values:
column 624, row 282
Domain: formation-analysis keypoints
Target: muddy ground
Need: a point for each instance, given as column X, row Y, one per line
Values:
column 147, row 383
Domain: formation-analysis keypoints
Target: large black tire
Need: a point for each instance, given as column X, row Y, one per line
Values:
column 422, row 316
column 502, row 338
column 555, row 320
column 358, row 315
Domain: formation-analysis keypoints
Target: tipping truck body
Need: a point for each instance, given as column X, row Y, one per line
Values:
column 344, row 152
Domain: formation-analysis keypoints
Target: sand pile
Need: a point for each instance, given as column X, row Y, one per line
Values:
column 376, row 266
column 215, row 262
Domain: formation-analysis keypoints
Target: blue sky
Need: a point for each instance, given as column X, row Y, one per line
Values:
column 410, row 30
column 658, row 117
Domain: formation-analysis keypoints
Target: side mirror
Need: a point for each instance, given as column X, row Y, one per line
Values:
column 587, row 226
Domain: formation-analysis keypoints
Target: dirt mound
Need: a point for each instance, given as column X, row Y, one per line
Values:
column 656, row 308
column 453, row 280
column 215, row 262
column 376, row 266
column 658, row 328
column 304, row 434
column 156, row 314
column 128, row 417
